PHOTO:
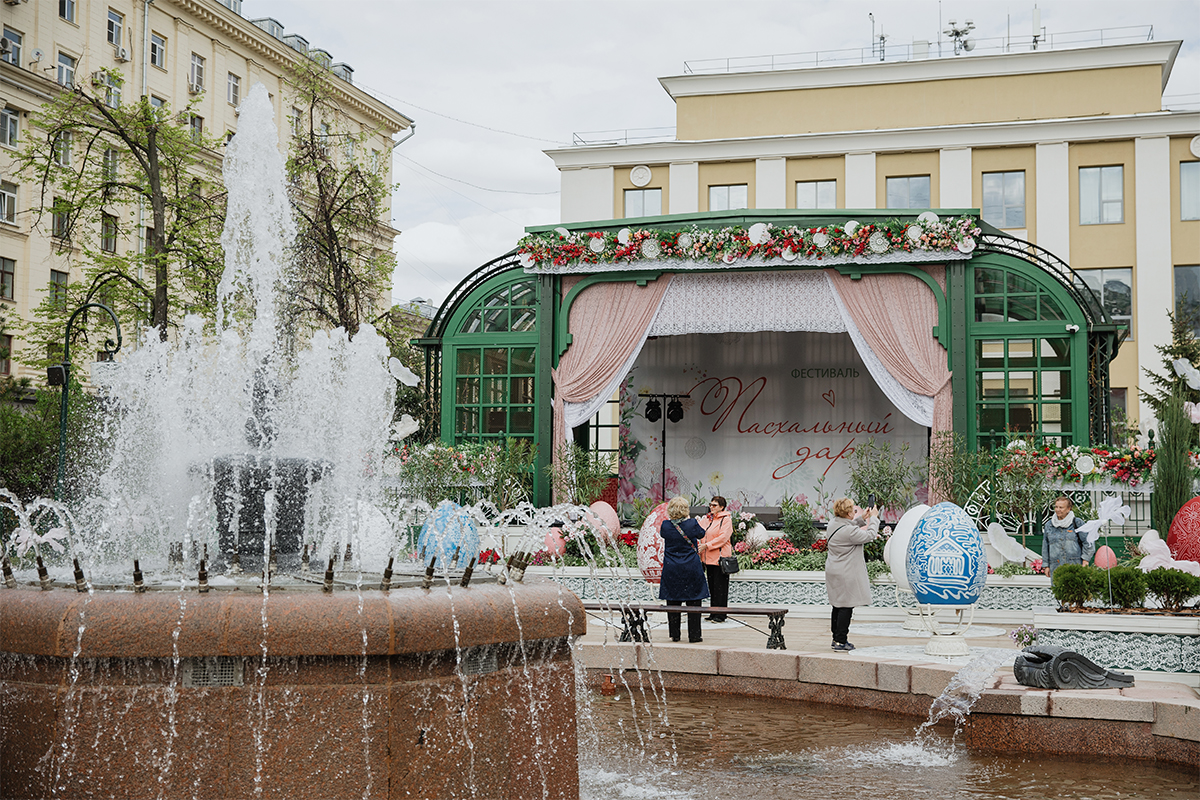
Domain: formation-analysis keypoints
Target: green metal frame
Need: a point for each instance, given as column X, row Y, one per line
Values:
column 966, row 397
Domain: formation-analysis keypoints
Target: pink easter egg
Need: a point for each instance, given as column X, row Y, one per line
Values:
column 555, row 544
column 607, row 517
column 1105, row 557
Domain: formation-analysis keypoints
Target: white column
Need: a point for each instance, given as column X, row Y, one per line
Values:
column 860, row 180
column 954, row 178
column 770, row 183
column 1053, row 182
column 587, row 194
column 1153, row 273
column 684, row 182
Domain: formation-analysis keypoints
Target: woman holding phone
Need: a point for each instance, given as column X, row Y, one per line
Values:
column 846, row 579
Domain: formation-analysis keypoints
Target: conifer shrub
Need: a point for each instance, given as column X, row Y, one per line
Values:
column 1172, row 587
column 1128, row 587
column 1075, row 584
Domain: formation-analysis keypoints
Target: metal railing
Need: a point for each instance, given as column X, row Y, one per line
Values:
column 910, row 52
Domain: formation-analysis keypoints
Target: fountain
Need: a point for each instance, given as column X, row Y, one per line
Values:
column 224, row 668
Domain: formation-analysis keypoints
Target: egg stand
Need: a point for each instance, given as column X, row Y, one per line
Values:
column 946, row 641
column 913, row 618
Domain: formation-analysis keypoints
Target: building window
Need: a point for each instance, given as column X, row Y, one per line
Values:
column 8, row 202
column 1189, row 190
column 9, row 126
column 1114, row 288
column 108, row 233
column 1023, row 384
column 1005, row 296
column 116, row 23
column 158, row 51
column 374, row 161
column 112, row 90
column 66, row 70
column 59, row 218
column 233, row 89
column 233, row 5
column 110, row 165
column 62, row 149
column 66, row 10
column 13, row 56
column 1004, row 199
column 58, row 287
column 8, row 278
column 493, row 393
column 910, row 191
column 1187, row 295
column 1101, row 195
column 294, row 119
column 727, row 198
column 229, row 137
column 196, row 76
column 349, row 148
column 196, row 124
column 6, row 343
column 816, row 194
column 643, row 202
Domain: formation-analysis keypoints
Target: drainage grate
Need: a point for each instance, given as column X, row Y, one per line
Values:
column 478, row 661
column 199, row 673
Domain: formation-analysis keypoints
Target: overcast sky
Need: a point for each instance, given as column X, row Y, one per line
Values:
column 493, row 83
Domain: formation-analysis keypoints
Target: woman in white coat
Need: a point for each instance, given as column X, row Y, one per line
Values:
column 846, row 579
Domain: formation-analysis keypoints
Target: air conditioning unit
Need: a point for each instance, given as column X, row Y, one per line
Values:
column 5, row 46
column 98, row 78
column 195, row 88
column 121, row 53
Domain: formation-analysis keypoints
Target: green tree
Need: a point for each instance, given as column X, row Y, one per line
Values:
column 344, row 259
column 96, row 160
column 1184, row 344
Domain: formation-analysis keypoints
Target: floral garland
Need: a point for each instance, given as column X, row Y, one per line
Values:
column 1130, row 467
column 763, row 240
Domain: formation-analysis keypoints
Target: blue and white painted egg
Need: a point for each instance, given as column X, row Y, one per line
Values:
column 946, row 562
column 449, row 531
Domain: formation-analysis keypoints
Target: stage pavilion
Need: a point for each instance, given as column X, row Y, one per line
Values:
column 775, row 342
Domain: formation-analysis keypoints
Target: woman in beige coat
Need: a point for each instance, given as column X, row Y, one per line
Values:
column 846, row 579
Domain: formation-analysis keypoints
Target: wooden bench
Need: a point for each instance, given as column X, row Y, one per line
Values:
column 634, row 617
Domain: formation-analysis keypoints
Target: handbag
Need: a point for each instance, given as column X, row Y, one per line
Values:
column 728, row 564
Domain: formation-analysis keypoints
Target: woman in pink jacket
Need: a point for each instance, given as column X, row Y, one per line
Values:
column 718, row 527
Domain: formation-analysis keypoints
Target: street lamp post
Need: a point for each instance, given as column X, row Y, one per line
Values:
column 60, row 375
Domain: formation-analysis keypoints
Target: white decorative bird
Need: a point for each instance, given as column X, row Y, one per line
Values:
column 1007, row 546
column 402, row 373
column 1159, row 555
column 1185, row 370
column 404, row 427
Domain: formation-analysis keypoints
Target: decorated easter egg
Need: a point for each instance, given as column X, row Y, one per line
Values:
column 1183, row 537
column 895, row 552
column 650, row 545
column 1105, row 557
column 450, row 535
column 555, row 544
column 946, row 564
column 610, row 524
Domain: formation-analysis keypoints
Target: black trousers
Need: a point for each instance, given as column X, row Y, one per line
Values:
column 693, row 622
column 718, row 589
column 839, row 621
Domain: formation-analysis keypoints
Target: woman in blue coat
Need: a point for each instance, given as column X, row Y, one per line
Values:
column 682, row 573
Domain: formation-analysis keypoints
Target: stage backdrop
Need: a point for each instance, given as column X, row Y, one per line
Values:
column 770, row 415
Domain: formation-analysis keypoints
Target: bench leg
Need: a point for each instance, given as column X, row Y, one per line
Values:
column 775, row 640
column 635, row 626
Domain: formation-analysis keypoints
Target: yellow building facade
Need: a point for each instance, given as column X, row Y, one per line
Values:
column 174, row 52
column 1069, row 149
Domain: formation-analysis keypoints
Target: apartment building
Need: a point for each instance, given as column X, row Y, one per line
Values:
column 174, row 52
column 1069, row 149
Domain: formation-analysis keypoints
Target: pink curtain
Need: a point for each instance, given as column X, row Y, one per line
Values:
column 607, row 322
column 896, row 314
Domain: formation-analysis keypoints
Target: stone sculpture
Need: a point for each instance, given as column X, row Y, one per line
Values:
column 1049, row 667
